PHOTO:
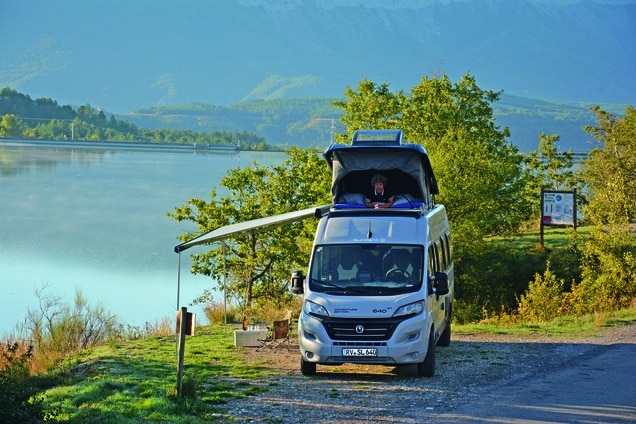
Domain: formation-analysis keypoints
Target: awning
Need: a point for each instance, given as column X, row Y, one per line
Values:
column 252, row 226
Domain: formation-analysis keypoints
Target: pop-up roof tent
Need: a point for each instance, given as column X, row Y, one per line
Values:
column 406, row 166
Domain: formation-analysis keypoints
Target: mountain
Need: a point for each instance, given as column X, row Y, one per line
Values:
column 123, row 55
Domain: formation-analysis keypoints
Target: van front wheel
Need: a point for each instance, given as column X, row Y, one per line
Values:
column 426, row 368
column 307, row 368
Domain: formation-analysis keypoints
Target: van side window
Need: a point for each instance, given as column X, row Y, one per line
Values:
column 441, row 258
column 432, row 261
column 445, row 253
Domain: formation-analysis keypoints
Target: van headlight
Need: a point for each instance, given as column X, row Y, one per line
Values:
column 415, row 308
column 312, row 308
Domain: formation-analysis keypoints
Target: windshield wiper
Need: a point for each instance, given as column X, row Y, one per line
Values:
column 341, row 288
column 328, row 284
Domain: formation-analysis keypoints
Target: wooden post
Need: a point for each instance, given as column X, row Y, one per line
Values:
column 541, row 222
column 182, row 339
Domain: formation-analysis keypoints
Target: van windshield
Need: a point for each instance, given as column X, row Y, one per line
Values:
column 366, row 269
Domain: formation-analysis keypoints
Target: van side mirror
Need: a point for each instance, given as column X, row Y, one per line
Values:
column 440, row 283
column 297, row 282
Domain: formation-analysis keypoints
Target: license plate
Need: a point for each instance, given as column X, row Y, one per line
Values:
column 359, row 352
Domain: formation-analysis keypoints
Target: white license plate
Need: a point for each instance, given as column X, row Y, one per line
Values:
column 359, row 352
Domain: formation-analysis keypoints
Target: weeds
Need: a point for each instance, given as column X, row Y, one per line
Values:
column 19, row 399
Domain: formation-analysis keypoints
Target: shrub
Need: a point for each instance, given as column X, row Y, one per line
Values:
column 57, row 329
column 489, row 276
column 542, row 301
column 216, row 313
column 608, row 275
column 19, row 402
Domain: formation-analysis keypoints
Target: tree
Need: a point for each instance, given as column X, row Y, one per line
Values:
column 372, row 106
column 258, row 265
column 11, row 126
column 610, row 170
column 480, row 173
column 549, row 169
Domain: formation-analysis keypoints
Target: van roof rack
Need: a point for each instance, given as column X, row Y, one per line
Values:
column 377, row 138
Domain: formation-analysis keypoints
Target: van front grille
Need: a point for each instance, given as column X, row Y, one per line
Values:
column 360, row 329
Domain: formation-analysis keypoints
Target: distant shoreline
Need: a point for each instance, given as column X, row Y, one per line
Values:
column 142, row 145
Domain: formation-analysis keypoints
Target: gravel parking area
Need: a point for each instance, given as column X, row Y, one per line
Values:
column 382, row 394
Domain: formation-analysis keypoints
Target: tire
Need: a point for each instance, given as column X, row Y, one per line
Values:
column 307, row 368
column 445, row 339
column 426, row 368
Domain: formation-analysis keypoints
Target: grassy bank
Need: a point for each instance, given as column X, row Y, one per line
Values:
column 135, row 381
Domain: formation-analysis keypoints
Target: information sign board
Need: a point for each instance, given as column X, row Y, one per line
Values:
column 558, row 208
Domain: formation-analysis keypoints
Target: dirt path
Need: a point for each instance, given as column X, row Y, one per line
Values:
column 472, row 374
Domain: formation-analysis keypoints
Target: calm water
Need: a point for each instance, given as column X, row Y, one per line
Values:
column 94, row 219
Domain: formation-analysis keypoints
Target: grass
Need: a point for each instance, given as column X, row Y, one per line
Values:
column 553, row 237
column 568, row 326
column 135, row 381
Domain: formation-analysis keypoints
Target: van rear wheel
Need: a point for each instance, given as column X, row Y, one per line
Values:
column 426, row 368
column 307, row 368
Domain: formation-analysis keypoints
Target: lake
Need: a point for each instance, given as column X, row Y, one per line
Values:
column 80, row 217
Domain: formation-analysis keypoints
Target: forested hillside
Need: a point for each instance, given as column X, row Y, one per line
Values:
column 303, row 122
column 309, row 122
column 21, row 117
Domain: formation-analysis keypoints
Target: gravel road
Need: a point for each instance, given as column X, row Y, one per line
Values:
column 479, row 378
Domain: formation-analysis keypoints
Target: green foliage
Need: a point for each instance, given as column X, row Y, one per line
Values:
column 610, row 171
column 595, row 274
column 543, row 300
column 549, row 169
column 45, row 119
column 491, row 275
column 372, row 106
column 135, row 381
column 19, row 400
column 608, row 273
column 11, row 127
column 258, row 265
column 57, row 329
column 480, row 173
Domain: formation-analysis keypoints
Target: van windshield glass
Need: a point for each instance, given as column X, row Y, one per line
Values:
column 366, row 269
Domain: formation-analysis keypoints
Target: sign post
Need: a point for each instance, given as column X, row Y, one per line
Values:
column 558, row 208
column 185, row 327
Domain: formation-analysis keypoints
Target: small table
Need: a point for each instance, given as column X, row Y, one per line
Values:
column 249, row 338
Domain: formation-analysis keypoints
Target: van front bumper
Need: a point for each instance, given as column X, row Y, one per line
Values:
column 408, row 343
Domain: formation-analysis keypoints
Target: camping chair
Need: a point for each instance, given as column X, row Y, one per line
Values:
column 278, row 335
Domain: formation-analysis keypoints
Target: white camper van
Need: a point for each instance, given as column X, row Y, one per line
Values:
column 379, row 289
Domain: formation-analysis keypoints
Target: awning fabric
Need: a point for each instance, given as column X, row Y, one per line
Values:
column 253, row 226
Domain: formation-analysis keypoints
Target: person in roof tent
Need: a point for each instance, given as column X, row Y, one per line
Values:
column 380, row 196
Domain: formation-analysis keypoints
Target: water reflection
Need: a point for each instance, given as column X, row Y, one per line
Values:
column 95, row 220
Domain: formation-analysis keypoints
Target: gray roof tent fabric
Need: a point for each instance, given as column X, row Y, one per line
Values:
column 353, row 166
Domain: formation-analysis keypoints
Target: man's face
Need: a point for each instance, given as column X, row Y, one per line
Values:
column 379, row 186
